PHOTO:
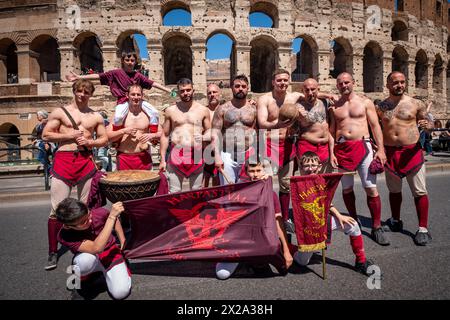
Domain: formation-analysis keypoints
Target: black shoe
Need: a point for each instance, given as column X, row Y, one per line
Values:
column 52, row 261
column 394, row 226
column 362, row 267
column 422, row 238
column 380, row 237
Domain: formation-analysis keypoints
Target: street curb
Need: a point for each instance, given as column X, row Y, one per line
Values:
column 42, row 195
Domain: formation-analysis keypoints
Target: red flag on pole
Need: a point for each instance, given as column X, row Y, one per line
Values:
column 228, row 223
column 311, row 200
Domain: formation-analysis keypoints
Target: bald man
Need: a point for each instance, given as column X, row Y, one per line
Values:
column 213, row 94
column 314, row 132
column 350, row 118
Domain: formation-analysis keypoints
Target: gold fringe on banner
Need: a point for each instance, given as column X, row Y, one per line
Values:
column 312, row 247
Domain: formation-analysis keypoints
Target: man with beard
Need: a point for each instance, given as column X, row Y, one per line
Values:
column 350, row 117
column 133, row 150
column 210, row 172
column 233, row 135
column 400, row 117
column 185, row 122
column 313, row 126
column 73, row 164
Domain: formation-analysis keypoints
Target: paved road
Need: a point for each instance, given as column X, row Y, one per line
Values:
column 409, row 272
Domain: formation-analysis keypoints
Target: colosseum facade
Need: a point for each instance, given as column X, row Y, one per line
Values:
column 42, row 41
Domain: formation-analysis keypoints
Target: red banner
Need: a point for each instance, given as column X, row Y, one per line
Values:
column 311, row 200
column 228, row 223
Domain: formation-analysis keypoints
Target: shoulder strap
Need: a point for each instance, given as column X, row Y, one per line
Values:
column 74, row 124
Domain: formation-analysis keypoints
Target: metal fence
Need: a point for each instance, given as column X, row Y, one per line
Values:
column 12, row 154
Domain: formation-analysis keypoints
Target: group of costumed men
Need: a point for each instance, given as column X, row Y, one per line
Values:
column 282, row 131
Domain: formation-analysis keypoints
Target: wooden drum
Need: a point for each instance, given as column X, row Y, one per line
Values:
column 129, row 185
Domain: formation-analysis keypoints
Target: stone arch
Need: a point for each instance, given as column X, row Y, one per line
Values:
column 400, row 60
column 341, row 58
column 263, row 62
column 399, row 31
column 88, row 49
column 421, row 70
column 438, row 70
column 215, row 72
column 177, row 55
column 126, row 42
column 168, row 6
column 267, row 7
column 47, row 65
column 8, row 61
column 306, row 60
column 373, row 67
column 9, row 139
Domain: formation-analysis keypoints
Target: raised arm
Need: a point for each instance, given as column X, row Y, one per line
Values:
column 74, row 77
column 98, row 245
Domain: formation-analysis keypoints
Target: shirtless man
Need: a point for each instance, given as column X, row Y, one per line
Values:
column 280, row 140
column 350, row 117
column 233, row 133
column 133, row 152
column 210, row 172
column 186, row 123
column 400, row 115
column 313, row 126
column 73, row 164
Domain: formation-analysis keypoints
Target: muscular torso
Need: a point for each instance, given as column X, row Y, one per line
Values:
column 313, row 125
column 238, row 125
column 129, row 143
column 87, row 122
column 187, row 125
column 351, row 119
column 399, row 122
column 273, row 109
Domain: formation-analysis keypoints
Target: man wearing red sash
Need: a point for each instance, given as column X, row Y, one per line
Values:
column 350, row 119
column 73, row 164
column 233, row 132
column 400, row 117
column 314, row 132
column 280, row 146
column 133, row 151
column 186, row 123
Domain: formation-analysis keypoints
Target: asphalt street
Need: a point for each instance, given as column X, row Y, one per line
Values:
column 408, row 271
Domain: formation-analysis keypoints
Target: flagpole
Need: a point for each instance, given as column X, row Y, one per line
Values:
column 324, row 265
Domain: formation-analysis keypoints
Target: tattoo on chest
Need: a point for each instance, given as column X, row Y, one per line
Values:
column 232, row 115
column 316, row 116
column 388, row 109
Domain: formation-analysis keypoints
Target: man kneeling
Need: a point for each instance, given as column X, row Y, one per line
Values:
column 88, row 235
column 310, row 163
